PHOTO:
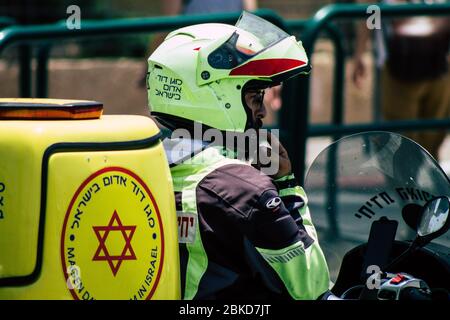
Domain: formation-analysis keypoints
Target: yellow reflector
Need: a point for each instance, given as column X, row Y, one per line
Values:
column 40, row 109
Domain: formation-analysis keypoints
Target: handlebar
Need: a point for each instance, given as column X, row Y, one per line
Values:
column 415, row 294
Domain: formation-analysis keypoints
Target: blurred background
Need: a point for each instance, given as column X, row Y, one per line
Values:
column 110, row 69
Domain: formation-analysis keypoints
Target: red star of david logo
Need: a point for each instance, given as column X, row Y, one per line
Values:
column 102, row 253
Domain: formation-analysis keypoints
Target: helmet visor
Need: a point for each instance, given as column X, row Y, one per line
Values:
column 265, row 32
column 254, row 35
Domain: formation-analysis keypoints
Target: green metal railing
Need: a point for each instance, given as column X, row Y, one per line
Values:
column 27, row 35
column 294, row 118
column 298, row 116
column 303, row 129
column 6, row 22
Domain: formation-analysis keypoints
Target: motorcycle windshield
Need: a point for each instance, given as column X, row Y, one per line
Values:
column 362, row 177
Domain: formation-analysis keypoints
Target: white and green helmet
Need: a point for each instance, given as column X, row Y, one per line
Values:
column 199, row 73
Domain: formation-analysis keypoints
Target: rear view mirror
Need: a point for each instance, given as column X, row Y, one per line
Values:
column 434, row 220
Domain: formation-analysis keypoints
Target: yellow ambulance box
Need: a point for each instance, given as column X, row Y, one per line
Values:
column 87, row 209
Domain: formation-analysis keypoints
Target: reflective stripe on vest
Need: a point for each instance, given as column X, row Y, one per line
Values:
column 186, row 176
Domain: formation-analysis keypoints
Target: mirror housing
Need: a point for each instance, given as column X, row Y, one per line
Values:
column 434, row 220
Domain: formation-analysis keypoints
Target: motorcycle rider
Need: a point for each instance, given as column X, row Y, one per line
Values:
column 242, row 233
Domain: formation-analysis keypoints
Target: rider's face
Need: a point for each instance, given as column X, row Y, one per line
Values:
column 255, row 101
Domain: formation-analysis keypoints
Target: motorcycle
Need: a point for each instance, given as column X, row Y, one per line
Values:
column 380, row 203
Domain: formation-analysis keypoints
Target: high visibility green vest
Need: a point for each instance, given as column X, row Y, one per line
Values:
column 304, row 272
